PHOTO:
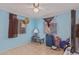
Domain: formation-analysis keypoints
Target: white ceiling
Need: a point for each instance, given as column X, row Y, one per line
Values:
column 46, row 9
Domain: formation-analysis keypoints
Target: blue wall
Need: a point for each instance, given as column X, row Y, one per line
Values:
column 5, row 42
column 63, row 29
column 77, row 17
column 63, row 25
column 40, row 26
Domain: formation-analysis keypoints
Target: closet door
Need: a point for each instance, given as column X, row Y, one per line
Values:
column 13, row 26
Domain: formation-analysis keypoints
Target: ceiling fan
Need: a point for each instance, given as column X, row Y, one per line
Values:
column 36, row 7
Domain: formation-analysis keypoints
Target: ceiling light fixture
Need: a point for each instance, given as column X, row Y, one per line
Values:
column 35, row 7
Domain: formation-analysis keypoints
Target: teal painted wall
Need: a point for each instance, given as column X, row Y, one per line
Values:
column 63, row 25
column 77, row 17
column 5, row 42
column 40, row 26
column 63, row 29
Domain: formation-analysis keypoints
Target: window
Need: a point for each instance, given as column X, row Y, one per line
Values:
column 22, row 27
column 16, row 26
column 50, row 25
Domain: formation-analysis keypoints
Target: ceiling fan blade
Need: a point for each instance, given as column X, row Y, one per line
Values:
column 43, row 9
column 40, row 8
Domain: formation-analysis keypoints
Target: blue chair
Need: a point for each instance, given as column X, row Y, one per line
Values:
column 64, row 43
column 49, row 40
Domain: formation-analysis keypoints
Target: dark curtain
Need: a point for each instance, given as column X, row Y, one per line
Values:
column 13, row 26
column 48, row 20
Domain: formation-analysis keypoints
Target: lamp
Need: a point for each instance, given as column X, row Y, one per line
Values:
column 35, row 10
column 26, row 20
column 36, row 30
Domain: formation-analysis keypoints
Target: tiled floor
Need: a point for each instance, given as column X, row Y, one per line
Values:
column 33, row 49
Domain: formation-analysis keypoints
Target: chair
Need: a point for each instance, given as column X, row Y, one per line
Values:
column 36, row 38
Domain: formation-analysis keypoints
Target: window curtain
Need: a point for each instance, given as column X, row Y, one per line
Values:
column 48, row 20
column 50, row 25
column 13, row 26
